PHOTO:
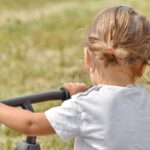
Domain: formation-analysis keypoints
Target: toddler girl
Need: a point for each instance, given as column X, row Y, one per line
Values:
column 115, row 113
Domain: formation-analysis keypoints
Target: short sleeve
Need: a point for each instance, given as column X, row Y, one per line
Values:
column 65, row 119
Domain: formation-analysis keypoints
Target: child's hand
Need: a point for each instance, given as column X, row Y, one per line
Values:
column 76, row 87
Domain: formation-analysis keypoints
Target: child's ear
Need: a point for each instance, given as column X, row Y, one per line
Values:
column 87, row 58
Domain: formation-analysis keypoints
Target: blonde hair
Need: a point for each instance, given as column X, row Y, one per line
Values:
column 119, row 35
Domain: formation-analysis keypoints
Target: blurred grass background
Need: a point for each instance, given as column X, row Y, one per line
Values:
column 41, row 48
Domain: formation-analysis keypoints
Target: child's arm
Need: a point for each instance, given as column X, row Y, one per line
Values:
column 30, row 123
column 24, row 121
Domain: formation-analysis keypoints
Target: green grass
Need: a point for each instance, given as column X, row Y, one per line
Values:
column 41, row 48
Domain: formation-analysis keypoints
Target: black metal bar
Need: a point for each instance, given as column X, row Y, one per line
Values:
column 62, row 94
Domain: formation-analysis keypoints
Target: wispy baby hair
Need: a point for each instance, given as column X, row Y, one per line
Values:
column 119, row 35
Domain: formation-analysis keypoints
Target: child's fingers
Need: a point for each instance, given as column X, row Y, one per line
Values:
column 76, row 87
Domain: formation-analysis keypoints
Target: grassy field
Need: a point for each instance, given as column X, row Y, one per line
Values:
column 41, row 48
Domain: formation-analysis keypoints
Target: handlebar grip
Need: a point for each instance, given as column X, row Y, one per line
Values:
column 62, row 94
column 66, row 94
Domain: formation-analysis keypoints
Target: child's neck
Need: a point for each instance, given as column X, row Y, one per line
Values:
column 117, row 81
column 115, row 76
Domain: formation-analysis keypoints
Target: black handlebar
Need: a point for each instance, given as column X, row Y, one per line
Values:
column 25, row 102
column 62, row 94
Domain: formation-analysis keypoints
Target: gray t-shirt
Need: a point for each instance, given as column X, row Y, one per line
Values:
column 105, row 118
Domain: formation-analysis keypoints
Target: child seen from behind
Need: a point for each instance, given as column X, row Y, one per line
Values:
column 115, row 113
